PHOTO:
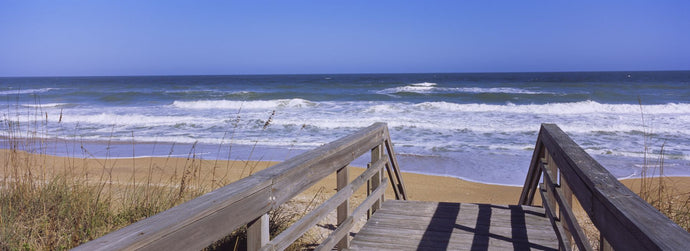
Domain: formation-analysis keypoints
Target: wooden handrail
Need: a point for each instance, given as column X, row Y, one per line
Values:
column 202, row 221
column 625, row 221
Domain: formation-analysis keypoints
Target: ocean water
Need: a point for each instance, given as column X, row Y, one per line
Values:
column 480, row 127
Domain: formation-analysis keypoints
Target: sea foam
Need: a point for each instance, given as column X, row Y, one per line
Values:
column 232, row 104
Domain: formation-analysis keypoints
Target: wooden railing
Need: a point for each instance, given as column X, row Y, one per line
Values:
column 624, row 220
column 202, row 221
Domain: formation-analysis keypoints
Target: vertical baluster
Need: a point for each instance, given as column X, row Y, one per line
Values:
column 375, row 181
column 257, row 233
column 568, row 198
column 343, row 176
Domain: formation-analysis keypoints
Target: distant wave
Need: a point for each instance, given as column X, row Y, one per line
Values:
column 50, row 105
column 232, row 104
column 427, row 88
column 26, row 91
column 494, row 90
column 424, row 87
column 582, row 107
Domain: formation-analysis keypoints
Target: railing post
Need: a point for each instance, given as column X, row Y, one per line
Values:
column 568, row 197
column 257, row 233
column 551, row 165
column 376, row 154
column 343, row 177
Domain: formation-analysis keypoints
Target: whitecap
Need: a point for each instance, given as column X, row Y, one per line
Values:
column 245, row 105
column 26, row 91
column 421, row 88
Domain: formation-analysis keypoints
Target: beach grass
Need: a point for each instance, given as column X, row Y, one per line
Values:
column 56, row 203
column 49, row 202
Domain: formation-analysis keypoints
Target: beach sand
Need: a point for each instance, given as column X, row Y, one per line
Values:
column 211, row 174
column 207, row 175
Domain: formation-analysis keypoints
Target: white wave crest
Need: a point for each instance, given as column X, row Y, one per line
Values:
column 27, row 91
column 232, row 104
column 506, row 90
column 49, row 105
column 583, row 107
column 424, row 87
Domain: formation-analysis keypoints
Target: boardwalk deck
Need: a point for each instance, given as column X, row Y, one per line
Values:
column 624, row 220
column 415, row 225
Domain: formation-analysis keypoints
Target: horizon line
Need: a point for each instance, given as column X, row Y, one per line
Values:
column 306, row 74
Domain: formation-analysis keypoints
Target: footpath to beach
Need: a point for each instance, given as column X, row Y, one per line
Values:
column 426, row 208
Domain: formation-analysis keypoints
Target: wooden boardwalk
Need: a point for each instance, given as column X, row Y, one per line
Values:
column 561, row 173
column 416, row 225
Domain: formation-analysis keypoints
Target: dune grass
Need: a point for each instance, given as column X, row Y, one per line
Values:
column 49, row 203
column 654, row 187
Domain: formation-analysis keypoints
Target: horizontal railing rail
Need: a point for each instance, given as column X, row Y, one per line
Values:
column 624, row 220
column 202, row 221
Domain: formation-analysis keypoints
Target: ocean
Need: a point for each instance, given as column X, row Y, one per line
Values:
column 476, row 126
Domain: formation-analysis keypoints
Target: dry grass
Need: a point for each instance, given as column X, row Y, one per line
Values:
column 653, row 186
column 49, row 203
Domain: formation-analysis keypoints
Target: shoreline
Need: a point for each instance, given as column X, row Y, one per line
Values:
column 410, row 163
column 213, row 174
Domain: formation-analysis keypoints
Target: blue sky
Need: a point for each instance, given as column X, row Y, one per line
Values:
column 86, row 38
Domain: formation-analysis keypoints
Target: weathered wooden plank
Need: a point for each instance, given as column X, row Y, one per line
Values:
column 401, row 191
column 200, row 222
column 404, row 221
column 343, row 177
column 344, row 229
column 567, row 213
column 376, row 154
column 297, row 229
column 533, row 174
column 187, row 222
column 541, row 233
column 428, row 208
column 257, row 233
column 455, row 238
column 411, row 225
column 415, row 238
column 566, row 195
column 498, row 216
column 627, row 221
column 294, row 176
column 395, row 215
column 563, row 242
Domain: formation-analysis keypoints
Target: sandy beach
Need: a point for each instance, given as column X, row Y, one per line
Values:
column 124, row 176
column 211, row 174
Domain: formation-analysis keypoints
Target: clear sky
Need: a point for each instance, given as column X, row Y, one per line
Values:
column 77, row 38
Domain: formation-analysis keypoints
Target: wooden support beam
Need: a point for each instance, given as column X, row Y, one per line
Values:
column 344, row 208
column 257, row 233
column 344, row 230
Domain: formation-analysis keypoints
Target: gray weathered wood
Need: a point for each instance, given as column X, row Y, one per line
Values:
column 192, row 221
column 344, row 229
column 297, row 229
column 257, row 233
column 626, row 221
column 414, row 225
column 397, row 182
column 201, row 221
column 376, row 154
column 566, row 196
column 533, row 174
column 566, row 212
column 344, row 208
